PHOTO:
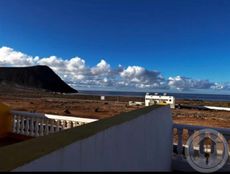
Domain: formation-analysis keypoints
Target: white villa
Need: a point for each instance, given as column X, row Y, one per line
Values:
column 159, row 99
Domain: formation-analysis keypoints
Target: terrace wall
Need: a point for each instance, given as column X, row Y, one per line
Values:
column 140, row 141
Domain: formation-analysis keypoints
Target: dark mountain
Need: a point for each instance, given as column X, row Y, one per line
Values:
column 37, row 77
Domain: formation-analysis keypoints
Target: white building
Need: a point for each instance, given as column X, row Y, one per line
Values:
column 136, row 103
column 159, row 99
column 102, row 97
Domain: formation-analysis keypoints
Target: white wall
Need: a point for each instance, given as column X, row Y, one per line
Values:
column 141, row 144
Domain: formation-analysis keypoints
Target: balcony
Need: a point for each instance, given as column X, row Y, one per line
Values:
column 142, row 140
column 37, row 124
column 181, row 134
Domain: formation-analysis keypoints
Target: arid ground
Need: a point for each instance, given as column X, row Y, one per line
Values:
column 92, row 107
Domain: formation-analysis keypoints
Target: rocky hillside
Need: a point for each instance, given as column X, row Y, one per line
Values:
column 36, row 77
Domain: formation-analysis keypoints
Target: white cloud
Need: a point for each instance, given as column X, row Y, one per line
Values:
column 185, row 83
column 221, row 86
column 76, row 73
column 101, row 68
column 9, row 57
column 217, row 86
column 142, row 78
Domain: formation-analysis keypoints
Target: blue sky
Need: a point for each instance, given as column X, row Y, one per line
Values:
column 190, row 39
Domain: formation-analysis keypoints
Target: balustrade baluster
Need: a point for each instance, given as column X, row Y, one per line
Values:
column 52, row 126
column 27, row 131
column 201, row 147
column 22, row 125
column 32, row 127
column 63, row 124
column 41, row 127
column 36, row 127
column 180, row 142
column 190, row 132
column 47, row 121
column 18, row 124
column 71, row 124
column 68, row 124
column 75, row 123
column 14, row 123
column 60, row 125
column 57, row 126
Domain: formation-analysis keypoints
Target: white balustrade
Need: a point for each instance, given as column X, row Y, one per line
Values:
column 36, row 124
column 185, row 131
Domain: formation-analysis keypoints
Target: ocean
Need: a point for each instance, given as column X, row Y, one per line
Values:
column 206, row 97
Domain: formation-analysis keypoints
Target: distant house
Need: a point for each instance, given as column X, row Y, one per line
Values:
column 135, row 103
column 159, row 99
column 102, row 97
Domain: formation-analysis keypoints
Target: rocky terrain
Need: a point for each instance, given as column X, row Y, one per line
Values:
column 35, row 77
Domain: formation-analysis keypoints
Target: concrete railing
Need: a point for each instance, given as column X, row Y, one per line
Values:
column 37, row 124
column 181, row 135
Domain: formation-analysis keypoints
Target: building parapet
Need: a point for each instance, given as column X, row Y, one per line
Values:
column 16, row 155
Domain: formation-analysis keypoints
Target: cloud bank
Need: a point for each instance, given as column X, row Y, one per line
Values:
column 76, row 73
